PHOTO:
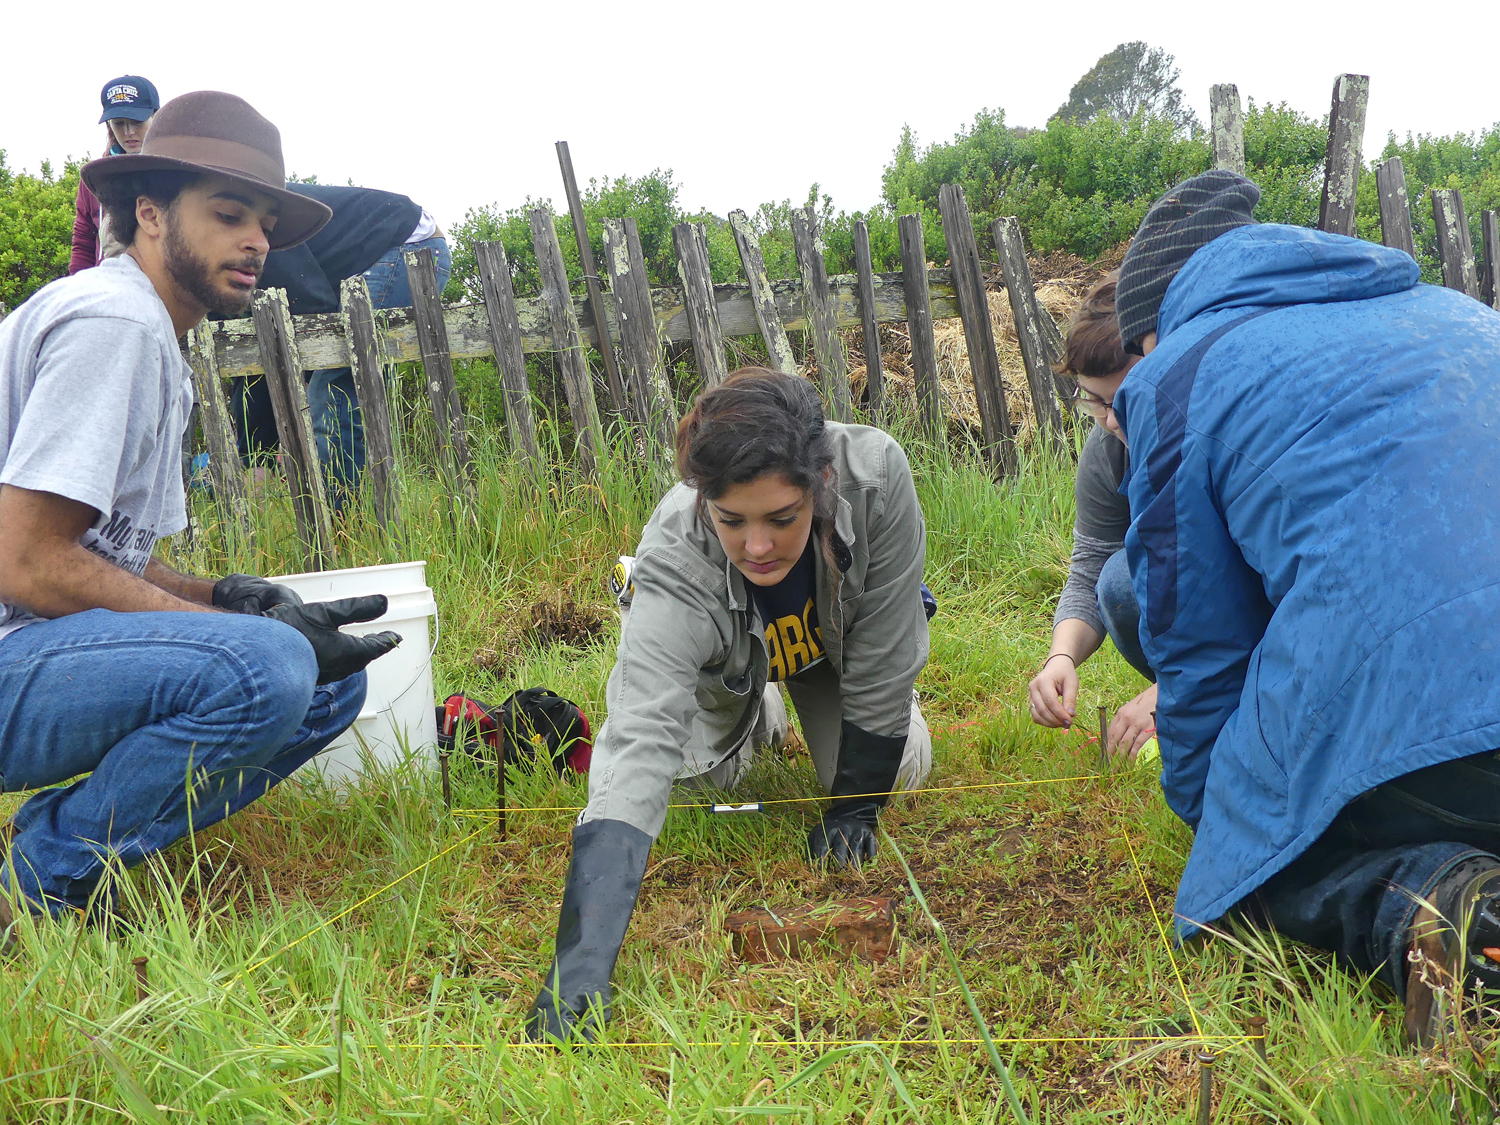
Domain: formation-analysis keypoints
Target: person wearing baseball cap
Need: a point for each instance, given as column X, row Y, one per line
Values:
column 1312, row 546
column 128, row 104
column 183, row 698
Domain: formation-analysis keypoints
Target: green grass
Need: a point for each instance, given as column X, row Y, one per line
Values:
column 271, row 1000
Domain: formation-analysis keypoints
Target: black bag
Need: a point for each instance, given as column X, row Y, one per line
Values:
column 529, row 723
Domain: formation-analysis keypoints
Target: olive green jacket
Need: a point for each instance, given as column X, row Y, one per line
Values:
column 692, row 661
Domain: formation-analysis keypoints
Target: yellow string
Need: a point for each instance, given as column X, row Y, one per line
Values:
column 795, row 800
column 1161, row 929
column 822, row 1043
column 368, row 898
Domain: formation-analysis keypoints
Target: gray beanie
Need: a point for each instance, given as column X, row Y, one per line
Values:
column 1191, row 215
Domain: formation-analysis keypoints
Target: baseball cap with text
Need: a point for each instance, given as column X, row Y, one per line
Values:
column 129, row 96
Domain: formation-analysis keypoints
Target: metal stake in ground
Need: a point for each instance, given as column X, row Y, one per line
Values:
column 1103, row 739
column 1256, row 1029
column 447, row 783
column 1206, row 1060
column 142, row 984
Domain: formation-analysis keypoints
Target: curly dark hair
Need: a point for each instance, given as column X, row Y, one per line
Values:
column 118, row 194
column 756, row 422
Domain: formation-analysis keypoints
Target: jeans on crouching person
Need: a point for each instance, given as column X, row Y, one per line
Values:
column 178, row 719
column 1121, row 612
column 338, row 425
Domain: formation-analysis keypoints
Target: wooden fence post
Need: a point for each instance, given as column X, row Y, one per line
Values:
column 299, row 450
column 833, row 367
column 865, row 283
column 1038, row 351
column 437, row 369
column 1489, row 280
column 587, row 430
column 979, row 335
column 919, row 327
column 698, row 295
column 591, row 279
column 224, row 467
column 650, row 395
column 1228, row 126
column 374, row 407
column 505, row 332
column 1395, row 208
column 766, row 313
column 1455, row 247
column 1346, row 134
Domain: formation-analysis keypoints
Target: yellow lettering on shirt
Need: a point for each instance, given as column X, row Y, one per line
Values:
column 814, row 635
column 792, row 646
column 777, row 670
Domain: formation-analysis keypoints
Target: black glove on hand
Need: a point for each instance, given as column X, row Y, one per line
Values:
column 868, row 764
column 604, row 878
column 245, row 593
column 339, row 654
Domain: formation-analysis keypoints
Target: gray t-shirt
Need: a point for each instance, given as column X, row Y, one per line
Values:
column 1099, row 527
column 94, row 398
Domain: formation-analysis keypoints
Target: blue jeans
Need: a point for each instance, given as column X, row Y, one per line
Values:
column 338, row 425
column 179, row 720
column 1121, row 612
column 1354, row 891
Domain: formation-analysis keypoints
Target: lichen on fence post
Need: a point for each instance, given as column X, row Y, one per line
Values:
column 1346, row 134
column 437, row 369
column 698, row 298
column 1228, row 126
column 650, row 396
column 224, row 467
column 374, row 407
column 1037, row 352
column 979, row 334
column 919, row 327
column 588, row 433
column 865, row 285
column 299, row 451
column 1395, row 208
column 505, row 332
column 1489, row 277
column 1455, row 247
column 591, row 279
column 833, row 367
column 772, row 331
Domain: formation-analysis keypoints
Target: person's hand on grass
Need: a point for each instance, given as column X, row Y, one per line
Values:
column 1133, row 724
column 1054, row 692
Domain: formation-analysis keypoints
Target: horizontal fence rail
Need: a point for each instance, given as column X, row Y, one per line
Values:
column 322, row 341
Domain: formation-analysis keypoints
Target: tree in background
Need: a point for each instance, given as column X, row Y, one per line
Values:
column 1132, row 79
column 36, row 228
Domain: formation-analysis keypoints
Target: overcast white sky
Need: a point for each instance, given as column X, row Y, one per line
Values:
column 458, row 103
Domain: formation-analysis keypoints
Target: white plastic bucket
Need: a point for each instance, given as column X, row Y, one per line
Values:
column 398, row 716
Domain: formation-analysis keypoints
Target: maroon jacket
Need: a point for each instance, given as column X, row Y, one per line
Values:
column 85, row 230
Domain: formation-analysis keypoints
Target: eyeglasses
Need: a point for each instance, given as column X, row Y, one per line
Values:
column 1091, row 402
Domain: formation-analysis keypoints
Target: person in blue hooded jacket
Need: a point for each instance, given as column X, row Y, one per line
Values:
column 1315, row 441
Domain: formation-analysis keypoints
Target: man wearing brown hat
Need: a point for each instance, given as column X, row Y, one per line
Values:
column 182, row 698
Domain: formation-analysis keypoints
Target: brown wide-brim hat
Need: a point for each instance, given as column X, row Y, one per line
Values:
column 211, row 133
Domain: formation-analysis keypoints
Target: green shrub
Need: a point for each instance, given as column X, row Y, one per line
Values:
column 36, row 228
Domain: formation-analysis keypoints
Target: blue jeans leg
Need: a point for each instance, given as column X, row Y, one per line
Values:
column 1356, row 890
column 338, row 429
column 1121, row 612
column 338, row 425
column 179, row 719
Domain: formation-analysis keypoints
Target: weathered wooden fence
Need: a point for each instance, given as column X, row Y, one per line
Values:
column 627, row 324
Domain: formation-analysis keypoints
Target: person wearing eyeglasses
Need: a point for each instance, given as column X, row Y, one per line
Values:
column 1097, row 600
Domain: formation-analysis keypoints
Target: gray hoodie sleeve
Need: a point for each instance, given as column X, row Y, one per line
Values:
column 1099, row 529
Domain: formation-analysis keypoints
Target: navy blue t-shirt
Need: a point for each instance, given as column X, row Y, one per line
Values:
column 790, row 612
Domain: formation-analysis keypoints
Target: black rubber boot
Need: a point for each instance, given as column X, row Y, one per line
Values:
column 868, row 764
column 1444, row 969
column 604, row 878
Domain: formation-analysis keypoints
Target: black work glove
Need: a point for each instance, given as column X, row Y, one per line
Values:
column 866, row 774
column 245, row 593
column 604, row 878
column 339, row 654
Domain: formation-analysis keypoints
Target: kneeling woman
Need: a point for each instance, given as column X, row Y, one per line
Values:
column 792, row 551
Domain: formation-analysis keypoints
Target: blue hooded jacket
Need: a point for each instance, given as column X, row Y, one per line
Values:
column 1315, row 543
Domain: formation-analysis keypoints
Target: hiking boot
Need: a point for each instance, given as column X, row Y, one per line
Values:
column 1443, row 968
